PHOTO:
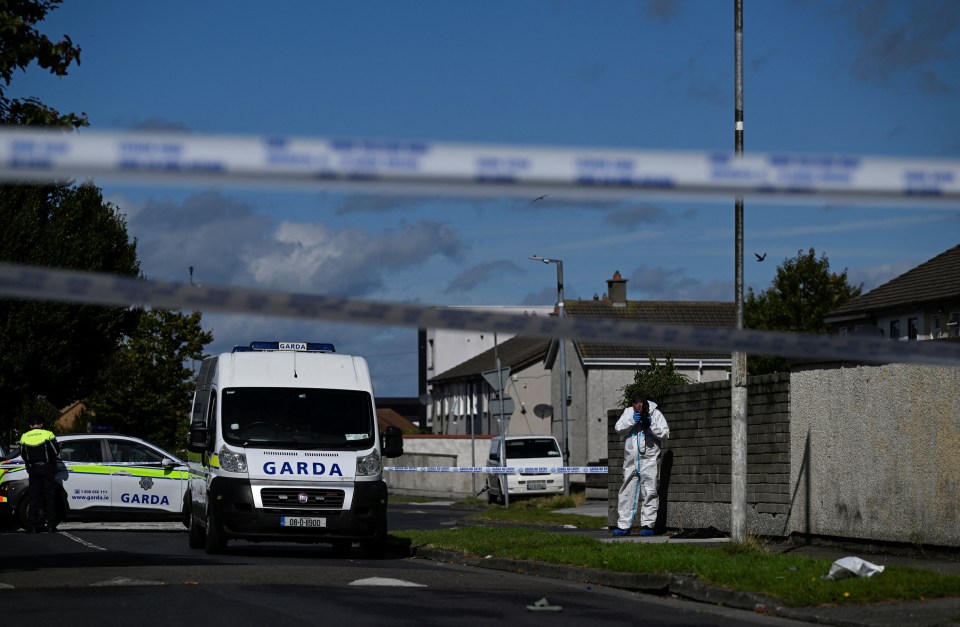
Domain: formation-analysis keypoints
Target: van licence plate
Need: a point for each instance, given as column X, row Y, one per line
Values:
column 536, row 485
column 299, row 521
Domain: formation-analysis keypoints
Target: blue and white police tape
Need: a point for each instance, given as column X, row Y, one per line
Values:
column 43, row 155
column 35, row 283
column 505, row 470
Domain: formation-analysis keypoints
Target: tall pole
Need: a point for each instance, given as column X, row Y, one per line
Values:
column 563, row 381
column 738, row 384
column 562, row 357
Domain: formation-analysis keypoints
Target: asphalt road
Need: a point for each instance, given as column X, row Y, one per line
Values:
column 144, row 575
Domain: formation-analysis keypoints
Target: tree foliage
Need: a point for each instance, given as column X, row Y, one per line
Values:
column 147, row 388
column 802, row 293
column 50, row 349
column 652, row 383
column 22, row 44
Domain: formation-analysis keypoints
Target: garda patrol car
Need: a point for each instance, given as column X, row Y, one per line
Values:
column 105, row 477
column 284, row 446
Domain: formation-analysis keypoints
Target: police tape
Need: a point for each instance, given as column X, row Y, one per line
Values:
column 505, row 470
column 35, row 283
column 44, row 155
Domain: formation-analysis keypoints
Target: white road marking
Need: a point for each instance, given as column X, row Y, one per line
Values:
column 126, row 581
column 82, row 541
column 386, row 581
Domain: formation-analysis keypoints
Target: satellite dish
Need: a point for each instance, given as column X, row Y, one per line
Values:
column 543, row 411
column 424, row 399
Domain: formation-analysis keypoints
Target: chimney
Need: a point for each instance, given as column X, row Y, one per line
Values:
column 617, row 288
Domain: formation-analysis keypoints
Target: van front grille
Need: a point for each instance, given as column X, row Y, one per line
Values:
column 302, row 498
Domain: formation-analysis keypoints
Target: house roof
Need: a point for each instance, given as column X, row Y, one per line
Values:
column 516, row 353
column 930, row 282
column 390, row 418
column 686, row 313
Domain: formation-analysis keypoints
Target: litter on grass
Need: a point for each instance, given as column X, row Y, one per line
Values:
column 852, row 567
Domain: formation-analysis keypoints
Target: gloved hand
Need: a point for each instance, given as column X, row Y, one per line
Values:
column 641, row 419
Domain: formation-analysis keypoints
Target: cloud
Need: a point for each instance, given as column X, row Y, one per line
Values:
column 227, row 242
column 350, row 262
column 691, row 81
column 904, row 38
column 659, row 283
column 874, row 276
column 638, row 214
column 208, row 231
column 663, row 10
column 481, row 273
column 377, row 203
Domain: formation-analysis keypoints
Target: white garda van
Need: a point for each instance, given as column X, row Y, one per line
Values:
column 539, row 454
column 284, row 446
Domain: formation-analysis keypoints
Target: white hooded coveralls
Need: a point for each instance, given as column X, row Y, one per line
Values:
column 641, row 450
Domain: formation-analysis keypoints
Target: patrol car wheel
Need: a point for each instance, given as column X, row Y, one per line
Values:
column 23, row 516
column 198, row 538
column 215, row 542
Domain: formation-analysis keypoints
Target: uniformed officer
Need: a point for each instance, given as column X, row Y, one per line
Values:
column 41, row 452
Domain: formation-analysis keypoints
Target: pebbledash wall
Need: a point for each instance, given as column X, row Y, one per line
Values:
column 845, row 451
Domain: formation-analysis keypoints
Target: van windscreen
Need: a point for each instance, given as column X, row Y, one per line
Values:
column 300, row 418
column 532, row 448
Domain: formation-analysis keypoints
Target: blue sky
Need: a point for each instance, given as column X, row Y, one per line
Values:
column 867, row 77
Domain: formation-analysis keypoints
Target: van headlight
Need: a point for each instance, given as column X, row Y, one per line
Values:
column 369, row 465
column 232, row 461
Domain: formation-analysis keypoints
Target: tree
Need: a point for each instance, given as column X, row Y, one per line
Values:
column 147, row 388
column 50, row 349
column 20, row 45
column 652, row 383
column 802, row 293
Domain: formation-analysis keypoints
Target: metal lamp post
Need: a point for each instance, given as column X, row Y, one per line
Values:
column 563, row 370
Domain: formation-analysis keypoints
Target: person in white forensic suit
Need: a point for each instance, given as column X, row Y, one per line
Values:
column 643, row 429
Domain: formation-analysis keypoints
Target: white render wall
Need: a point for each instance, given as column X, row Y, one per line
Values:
column 883, row 447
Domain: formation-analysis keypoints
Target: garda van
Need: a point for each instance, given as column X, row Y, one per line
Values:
column 538, row 455
column 284, row 446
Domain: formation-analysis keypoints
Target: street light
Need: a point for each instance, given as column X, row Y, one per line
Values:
column 563, row 370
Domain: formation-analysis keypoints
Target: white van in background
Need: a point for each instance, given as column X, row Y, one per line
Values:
column 540, row 452
column 284, row 446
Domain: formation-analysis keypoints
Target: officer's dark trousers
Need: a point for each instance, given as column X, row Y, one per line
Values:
column 43, row 494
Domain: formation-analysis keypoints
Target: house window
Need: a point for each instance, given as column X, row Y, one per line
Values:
column 842, row 331
column 935, row 326
column 953, row 327
column 913, row 329
column 894, row 329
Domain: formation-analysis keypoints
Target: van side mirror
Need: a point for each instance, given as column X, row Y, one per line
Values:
column 197, row 438
column 392, row 442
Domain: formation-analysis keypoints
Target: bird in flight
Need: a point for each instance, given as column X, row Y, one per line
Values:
column 759, row 256
column 539, row 198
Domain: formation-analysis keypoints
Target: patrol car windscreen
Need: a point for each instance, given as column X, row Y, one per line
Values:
column 297, row 418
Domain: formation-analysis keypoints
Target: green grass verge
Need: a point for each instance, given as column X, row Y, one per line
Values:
column 796, row 580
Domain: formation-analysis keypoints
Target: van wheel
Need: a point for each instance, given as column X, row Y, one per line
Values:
column 215, row 542
column 341, row 548
column 198, row 537
column 376, row 548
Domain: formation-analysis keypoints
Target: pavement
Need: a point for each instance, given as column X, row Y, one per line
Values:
column 920, row 612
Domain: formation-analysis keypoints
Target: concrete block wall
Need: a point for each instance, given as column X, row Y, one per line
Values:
column 695, row 463
column 439, row 450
